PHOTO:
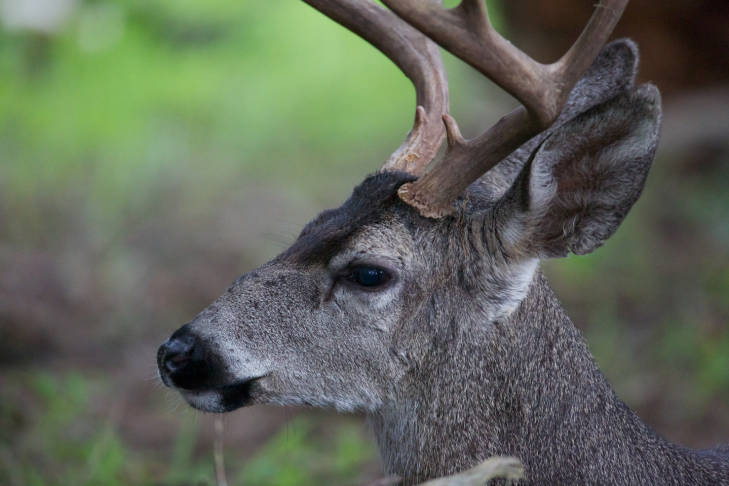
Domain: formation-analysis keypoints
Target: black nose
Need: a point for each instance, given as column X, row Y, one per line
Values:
column 181, row 360
column 178, row 352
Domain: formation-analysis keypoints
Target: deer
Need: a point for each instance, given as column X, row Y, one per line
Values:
column 420, row 302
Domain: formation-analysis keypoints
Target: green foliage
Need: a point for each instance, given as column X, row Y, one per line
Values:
column 297, row 457
column 184, row 466
column 58, row 445
column 130, row 90
column 63, row 440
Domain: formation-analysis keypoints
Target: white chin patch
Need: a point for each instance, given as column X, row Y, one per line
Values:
column 207, row 401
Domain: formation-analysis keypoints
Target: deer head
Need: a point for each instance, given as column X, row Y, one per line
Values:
column 370, row 298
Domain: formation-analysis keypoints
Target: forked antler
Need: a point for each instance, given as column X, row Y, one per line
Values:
column 418, row 57
column 467, row 33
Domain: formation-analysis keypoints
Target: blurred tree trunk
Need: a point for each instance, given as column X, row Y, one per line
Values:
column 684, row 44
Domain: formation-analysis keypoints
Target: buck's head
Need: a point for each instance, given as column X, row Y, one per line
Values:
column 370, row 290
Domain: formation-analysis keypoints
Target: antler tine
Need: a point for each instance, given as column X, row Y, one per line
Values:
column 466, row 32
column 418, row 57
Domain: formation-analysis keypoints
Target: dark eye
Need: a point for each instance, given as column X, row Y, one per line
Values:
column 368, row 276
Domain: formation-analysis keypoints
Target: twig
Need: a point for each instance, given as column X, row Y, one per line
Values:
column 386, row 481
column 218, row 453
column 496, row 467
column 491, row 468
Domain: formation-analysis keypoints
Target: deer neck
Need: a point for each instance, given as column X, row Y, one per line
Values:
column 527, row 387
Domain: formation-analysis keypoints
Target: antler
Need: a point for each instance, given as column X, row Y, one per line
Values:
column 418, row 57
column 466, row 32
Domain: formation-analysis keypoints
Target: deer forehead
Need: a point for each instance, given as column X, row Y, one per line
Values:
column 386, row 242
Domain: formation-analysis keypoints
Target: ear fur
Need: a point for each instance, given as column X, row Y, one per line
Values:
column 585, row 176
column 612, row 73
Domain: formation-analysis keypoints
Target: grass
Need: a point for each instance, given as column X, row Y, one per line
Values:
column 62, row 439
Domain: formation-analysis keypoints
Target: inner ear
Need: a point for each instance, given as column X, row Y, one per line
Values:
column 581, row 182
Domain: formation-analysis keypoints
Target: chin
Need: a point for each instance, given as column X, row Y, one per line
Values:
column 221, row 399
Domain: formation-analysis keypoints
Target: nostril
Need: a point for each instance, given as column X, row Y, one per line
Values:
column 184, row 361
column 178, row 352
column 176, row 362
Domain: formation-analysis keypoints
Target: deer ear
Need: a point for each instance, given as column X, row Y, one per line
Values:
column 581, row 181
column 613, row 72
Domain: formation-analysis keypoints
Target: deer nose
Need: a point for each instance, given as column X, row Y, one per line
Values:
column 178, row 352
column 181, row 360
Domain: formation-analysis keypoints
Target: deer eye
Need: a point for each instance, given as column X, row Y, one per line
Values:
column 368, row 276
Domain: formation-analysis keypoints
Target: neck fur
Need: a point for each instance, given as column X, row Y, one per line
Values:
column 528, row 387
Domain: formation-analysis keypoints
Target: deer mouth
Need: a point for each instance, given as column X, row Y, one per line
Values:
column 221, row 399
column 186, row 364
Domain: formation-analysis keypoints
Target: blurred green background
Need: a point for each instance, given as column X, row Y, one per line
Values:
column 152, row 151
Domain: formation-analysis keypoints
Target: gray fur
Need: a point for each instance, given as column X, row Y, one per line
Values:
column 465, row 353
